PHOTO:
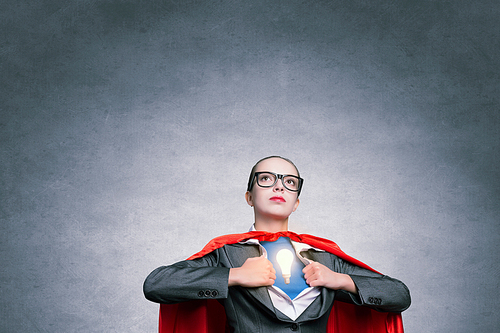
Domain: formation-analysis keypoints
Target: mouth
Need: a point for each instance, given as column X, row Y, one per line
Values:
column 278, row 199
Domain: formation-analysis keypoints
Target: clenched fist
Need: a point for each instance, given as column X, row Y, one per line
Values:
column 255, row 272
column 318, row 275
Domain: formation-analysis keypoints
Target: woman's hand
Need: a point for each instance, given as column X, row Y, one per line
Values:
column 255, row 272
column 318, row 275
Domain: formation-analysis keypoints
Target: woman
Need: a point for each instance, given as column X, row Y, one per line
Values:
column 241, row 272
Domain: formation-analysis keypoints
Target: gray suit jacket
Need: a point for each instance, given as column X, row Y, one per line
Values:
column 251, row 309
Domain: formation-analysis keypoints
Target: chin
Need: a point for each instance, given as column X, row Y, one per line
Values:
column 278, row 217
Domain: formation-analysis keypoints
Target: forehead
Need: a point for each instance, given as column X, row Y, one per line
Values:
column 276, row 165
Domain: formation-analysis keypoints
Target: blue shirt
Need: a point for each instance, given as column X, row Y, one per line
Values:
column 297, row 281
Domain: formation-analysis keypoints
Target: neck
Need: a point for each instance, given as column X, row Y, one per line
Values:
column 271, row 225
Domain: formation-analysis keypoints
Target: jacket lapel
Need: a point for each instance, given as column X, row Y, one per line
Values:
column 325, row 299
column 237, row 254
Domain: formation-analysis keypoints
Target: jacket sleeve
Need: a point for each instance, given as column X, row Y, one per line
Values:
column 186, row 280
column 376, row 291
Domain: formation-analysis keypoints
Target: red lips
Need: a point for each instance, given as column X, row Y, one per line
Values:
column 278, row 199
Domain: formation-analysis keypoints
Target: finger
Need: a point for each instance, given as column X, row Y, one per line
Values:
column 313, row 271
column 314, row 283
column 308, row 269
column 310, row 282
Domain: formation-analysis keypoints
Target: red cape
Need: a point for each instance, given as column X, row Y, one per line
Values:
column 208, row 316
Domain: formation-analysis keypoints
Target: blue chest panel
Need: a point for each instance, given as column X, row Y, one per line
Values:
column 297, row 282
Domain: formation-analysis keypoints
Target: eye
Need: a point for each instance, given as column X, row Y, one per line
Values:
column 291, row 183
column 266, row 178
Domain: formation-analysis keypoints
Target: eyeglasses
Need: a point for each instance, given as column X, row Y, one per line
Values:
column 269, row 179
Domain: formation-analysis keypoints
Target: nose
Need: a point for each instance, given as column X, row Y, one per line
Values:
column 278, row 187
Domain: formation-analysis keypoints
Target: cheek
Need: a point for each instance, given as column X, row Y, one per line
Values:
column 257, row 199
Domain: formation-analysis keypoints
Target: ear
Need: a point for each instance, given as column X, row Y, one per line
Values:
column 296, row 205
column 249, row 198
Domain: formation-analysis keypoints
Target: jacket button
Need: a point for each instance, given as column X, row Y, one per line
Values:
column 207, row 293
column 294, row 327
column 201, row 293
column 215, row 293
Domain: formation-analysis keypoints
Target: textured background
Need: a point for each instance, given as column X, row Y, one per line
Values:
column 128, row 129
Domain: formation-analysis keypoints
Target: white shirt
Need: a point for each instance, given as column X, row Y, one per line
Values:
column 292, row 308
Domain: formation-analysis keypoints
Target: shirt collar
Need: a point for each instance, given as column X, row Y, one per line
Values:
column 299, row 247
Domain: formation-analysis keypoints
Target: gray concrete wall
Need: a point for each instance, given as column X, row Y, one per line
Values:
column 128, row 129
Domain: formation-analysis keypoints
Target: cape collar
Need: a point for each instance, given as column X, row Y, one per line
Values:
column 317, row 242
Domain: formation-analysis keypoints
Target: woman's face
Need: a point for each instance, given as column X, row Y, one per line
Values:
column 274, row 202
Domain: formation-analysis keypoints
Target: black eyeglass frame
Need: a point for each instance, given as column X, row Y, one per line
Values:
column 277, row 176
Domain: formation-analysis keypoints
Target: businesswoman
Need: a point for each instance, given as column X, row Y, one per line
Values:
column 322, row 290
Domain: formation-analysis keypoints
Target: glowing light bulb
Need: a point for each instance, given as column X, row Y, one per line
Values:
column 285, row 259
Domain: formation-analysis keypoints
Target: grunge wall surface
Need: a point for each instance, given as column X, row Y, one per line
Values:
column 128, row 129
